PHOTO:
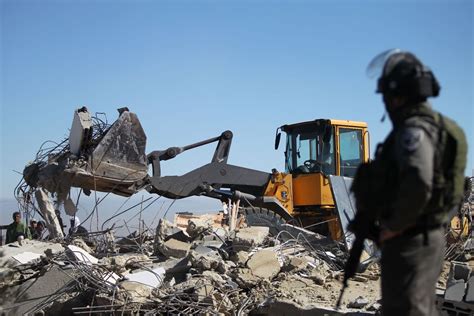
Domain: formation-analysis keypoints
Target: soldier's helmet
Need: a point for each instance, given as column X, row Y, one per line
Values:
column 401, row 73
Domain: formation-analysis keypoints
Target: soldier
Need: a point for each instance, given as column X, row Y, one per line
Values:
column 415, row 183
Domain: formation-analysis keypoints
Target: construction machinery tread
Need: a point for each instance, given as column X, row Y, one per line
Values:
column 260, row 216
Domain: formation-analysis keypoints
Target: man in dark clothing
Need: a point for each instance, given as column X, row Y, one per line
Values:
column 76, row 229
column 17, row 229
column 411, row 219
column 32, row 228
column 41, row 231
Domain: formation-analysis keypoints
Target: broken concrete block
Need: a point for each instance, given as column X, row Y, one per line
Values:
column 7, row 252
column 212, row 240
column 179, row 235
column 202, row 250
column 163, row 230
column 26, row 257
column 174, row 248
column 296, row 264
column 470, row 290
column 215, row 277
column 250, row 237
column 240, row 258
column 175, row 266
column 136, row 291
column 225, row 266
column 245, row 278
column 24, row 298
column 197, row 226
column 122, row 263
column 264, row 264
column 459, row 271
column 204, row 292
column 359, row 302
column 319, row 273
column 207, row 261
column 455, row 291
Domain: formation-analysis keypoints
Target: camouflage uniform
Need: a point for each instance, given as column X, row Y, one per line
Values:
column 411, row 262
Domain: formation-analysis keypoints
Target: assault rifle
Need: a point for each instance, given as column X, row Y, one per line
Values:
column 364, row 225
column 363, row 228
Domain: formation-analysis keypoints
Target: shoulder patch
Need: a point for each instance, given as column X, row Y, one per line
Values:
column 411, row 138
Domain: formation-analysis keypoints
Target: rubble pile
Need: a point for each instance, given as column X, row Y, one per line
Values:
column 202, row 269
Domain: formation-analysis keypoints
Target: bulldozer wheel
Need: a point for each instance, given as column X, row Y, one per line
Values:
column 259, row 216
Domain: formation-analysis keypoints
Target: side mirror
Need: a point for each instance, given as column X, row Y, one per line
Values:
column 277, row 138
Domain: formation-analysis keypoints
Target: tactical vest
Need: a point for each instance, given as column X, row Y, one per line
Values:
column 449, row 165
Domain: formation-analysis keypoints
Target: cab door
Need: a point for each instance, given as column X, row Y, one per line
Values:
column 351, row 150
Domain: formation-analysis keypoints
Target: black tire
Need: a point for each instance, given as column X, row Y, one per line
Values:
column 259, row 216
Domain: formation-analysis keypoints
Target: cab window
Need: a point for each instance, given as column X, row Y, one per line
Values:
column 309, row 152
column 351, row 151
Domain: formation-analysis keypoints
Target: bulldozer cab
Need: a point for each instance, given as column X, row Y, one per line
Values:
column 314, row 151
column 329, row 147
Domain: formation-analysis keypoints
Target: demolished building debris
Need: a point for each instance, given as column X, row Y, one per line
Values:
column 274, row 275
column 198, row 264
column 188, row 277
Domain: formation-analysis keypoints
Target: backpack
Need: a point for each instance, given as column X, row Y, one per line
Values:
column 450, row 163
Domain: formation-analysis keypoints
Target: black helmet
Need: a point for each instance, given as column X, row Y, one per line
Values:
column 403, row 74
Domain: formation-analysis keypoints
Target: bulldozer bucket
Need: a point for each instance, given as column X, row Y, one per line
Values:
column 112, row 160
column 118, row 160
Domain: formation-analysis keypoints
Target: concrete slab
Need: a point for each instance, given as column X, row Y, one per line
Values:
column 7, row 252
column 174, row 248
column 470, row 291
column 455, row 291
column 26, row 297
column 152, row 278
column 264, row 264
column 82, row 255
column 250, row 237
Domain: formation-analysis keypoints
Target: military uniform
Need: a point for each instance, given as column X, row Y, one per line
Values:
column 411, row 261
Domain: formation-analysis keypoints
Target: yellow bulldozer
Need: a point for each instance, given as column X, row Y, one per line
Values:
column 113, row 159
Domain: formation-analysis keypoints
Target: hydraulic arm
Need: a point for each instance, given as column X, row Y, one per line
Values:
column 212, row 179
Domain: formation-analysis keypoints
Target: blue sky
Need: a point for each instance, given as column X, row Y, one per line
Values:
column 192, row 69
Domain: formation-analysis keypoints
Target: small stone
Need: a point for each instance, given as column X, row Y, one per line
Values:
column 358, row 303
column 296, row 264
column 374, row 307
column 359, row 278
